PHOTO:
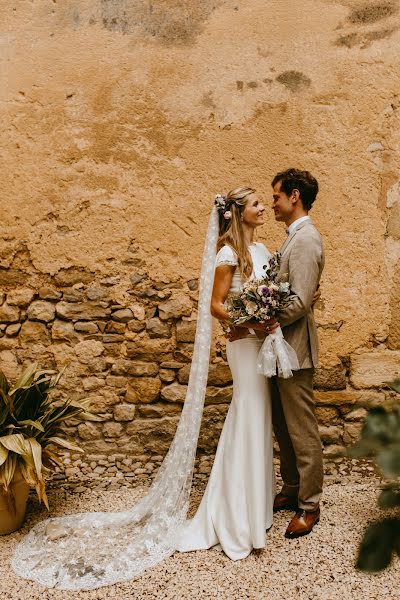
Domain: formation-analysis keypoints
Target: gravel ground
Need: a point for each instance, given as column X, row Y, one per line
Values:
column 319, row 566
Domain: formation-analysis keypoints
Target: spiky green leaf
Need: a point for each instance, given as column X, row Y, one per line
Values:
column 25, row 378
column 3, row 454
column 27, row 474
column 64, row 443
column 4, row 385
column 86, row 416
column 7, row 471
column 14, row 442
column 36, row 449
column 31, row 423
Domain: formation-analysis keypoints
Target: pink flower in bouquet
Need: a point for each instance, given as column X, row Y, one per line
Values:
column 251, row 307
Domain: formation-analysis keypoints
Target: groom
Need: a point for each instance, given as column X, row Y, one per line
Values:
column 295, row 425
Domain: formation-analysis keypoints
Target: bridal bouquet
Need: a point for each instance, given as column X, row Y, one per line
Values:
column 261, row 299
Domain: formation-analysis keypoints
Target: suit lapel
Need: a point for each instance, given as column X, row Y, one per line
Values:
column 292, row 235
column 287, row 242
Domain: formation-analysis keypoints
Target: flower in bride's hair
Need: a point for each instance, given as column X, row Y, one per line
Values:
column 227, row 215
column 220, row 203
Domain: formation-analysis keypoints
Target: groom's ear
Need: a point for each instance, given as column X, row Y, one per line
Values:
column 295, row 197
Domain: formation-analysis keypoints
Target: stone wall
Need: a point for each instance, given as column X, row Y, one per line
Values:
column 132, row 360
column 121, row 120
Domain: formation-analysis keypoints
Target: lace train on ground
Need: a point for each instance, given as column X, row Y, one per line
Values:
column 90, row 550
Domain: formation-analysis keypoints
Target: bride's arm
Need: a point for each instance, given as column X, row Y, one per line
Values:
column 222, row 284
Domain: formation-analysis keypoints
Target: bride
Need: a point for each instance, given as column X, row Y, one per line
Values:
column 237, row 506
column 90, row 550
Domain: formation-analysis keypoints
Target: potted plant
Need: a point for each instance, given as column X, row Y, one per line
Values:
column 30, row 433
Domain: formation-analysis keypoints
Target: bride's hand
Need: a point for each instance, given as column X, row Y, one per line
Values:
column 317, row 295
column 238, row 333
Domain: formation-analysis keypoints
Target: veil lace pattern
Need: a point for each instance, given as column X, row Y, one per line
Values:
column 91, row 550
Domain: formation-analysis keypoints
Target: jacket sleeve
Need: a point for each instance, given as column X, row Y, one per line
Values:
column 304, row 272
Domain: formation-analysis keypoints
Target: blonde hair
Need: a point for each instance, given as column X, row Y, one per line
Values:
column 231, row 231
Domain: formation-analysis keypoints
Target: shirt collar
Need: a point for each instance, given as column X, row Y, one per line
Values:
column 294, row 225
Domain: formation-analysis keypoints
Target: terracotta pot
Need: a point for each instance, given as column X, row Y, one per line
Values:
column 13, row 505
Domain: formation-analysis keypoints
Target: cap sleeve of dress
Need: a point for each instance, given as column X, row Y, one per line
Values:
column 226, row 256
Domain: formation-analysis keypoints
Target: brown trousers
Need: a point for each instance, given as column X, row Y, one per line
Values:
column 296, row 431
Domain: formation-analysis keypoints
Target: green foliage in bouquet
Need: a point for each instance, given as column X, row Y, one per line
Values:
column 380, row 438
column 30, row 428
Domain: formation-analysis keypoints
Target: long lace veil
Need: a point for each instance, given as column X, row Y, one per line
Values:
column 90, row 550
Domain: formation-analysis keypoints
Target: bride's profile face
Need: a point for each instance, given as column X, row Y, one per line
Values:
column 253, row 213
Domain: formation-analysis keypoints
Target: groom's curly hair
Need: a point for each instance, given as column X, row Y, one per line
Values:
column 294, row 179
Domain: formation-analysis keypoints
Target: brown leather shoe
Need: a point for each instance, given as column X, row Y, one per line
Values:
column 302, row 523
column 283, row 502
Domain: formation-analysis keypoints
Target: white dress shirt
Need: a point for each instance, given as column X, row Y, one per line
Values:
column 297, row 222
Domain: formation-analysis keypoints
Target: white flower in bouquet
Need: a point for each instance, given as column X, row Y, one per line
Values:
column 261, row 299
column 284, row 287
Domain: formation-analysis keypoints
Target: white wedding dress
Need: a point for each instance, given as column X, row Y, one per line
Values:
column 236, row 508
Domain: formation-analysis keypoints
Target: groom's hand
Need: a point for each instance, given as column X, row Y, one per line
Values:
column 268, row 326
column 237, row 333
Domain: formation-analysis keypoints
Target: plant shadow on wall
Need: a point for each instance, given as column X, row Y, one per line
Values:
column 30, row 434
column 367, row 23
column 380, row 438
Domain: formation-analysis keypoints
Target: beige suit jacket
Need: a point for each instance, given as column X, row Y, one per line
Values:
column 302, row 259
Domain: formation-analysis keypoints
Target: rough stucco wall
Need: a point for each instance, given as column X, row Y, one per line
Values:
column 121, row 120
